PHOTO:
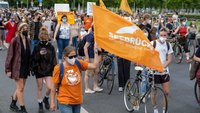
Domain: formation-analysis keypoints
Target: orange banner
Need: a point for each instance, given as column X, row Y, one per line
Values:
column 125, row 6
column 70, row 17
column 124, row 39
column 101, row 4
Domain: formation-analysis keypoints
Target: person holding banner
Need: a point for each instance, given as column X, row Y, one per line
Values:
column 70, row 95
column 63, row 36
column 165, row 50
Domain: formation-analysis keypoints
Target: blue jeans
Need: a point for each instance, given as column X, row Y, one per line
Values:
column 66, row 108
column 144, row 83
column 33, row 44
column 61, row 43
column 75, row 41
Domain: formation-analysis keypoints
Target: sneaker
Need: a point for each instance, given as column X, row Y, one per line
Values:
column 40, row 108
column 46, row 103
column 98, row 89
column 164, row 111
column 14, row 107
column 121, row 89
column 89, row 91
column 22, row 111
column 155, row 110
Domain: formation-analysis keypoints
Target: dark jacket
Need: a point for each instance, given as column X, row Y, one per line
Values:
column 43, row 59
column 32, row 29
column 13, row 59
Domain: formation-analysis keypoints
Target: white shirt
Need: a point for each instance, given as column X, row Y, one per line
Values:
column 64, row 32
column 163, row 52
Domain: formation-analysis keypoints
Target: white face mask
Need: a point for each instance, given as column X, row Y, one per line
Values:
column 71, row 61
column 162, row 21
column 146, row 34
column 184, row 23
column 193, row 25
column 149, row 21
column 43, row 18
column 23, row 20
column 162, row 39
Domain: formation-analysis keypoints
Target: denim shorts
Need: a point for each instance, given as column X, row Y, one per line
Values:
column 68, row 108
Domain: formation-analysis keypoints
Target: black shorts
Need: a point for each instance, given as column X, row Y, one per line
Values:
column 160, row 79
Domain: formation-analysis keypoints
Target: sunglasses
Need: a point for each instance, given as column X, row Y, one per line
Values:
column 74, row 56
column 163, row 35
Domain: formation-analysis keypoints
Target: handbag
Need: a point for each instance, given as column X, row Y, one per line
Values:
column 58, row 33
column 193, row 69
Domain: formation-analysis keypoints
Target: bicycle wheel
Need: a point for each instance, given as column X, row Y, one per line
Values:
column 101, row 75
column 131, row 94
column 197, row 92
column 178, row 54
column 110, row 82
column 191, row 47
column 158, row 101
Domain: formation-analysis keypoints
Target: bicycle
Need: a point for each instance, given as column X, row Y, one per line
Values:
column 178, row 48
column 197, row 91
column 133, row 98
column 106, row 71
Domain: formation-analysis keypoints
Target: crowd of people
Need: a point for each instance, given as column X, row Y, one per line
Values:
column 28, row 36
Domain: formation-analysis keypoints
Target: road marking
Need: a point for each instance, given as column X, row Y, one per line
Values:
column 83, row 110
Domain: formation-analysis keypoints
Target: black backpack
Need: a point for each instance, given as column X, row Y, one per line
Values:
column 81, row 45
column 154, row 45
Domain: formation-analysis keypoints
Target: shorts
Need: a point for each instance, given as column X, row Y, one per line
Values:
column 160, row 79
column 91, row 72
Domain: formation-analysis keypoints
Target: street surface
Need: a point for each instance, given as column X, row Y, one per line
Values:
column 182, row 98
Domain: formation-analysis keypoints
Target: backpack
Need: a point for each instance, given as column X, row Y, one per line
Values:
column 81, row 45
column 154, row 45
column 77, row 63
column 168, row 46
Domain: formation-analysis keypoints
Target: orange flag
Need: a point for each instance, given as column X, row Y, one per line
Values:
column 124, row 39
column 101, row 4
column 125, row 6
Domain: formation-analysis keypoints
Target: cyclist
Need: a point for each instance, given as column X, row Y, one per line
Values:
column 165, row 56
column 183, row 32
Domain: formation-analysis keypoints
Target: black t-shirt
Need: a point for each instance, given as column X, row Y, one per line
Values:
column 197, row 54
column 1, row 24
column 37, row 30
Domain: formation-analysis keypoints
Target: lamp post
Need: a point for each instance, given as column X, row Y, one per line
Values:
column 27, row 3
column 21, row 3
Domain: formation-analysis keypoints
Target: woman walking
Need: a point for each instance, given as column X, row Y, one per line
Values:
column 19, row 69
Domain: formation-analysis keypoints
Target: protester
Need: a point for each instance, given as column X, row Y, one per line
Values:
column 89, row 57
column 17, row 66
column 165, row 50
column 1, row 33
column 63, row 36
column 35, row 26
column 43, row 62
column 11, row 26
column 70, row 95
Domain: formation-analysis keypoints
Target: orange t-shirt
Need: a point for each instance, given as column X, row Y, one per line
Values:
column 70, row 91
column 87, row 23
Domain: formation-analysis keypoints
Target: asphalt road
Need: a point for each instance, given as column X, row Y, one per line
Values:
column 182, row 98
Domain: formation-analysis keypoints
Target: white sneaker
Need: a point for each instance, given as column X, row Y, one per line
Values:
column 164, row 111
column 121, row 89
column 98, row 89
column 89, row 91
column 155, row 110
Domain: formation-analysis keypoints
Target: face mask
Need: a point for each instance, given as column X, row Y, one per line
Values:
column 149, row 21
column 184, row 23
column 23, row 20
column 163, row 40
column 71, row 61
column 193, row 25
column 64, row 20
column 39, row 18
column 25, row 33
column 12, row 20
column 146, row 34
column 162, row 21
column 43, row 18
column 44, row 42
